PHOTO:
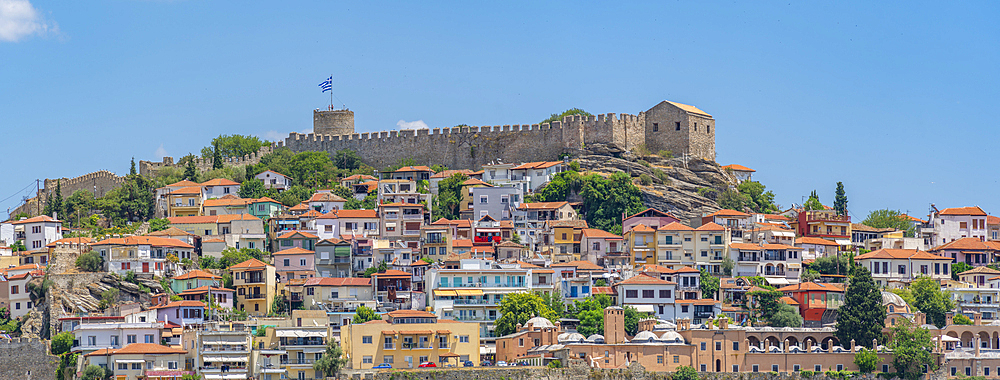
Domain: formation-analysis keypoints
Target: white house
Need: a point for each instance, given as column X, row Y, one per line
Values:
column 36, row 232
column 648, row 294
column 218, row 188
column 898, row 267
column 90, row 337
column 141, row 254
column 325, row 201
column 274, row 180
column 336, row 223
column 955, row 223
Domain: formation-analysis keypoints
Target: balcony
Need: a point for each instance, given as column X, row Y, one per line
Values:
column 775, row 273
column 259, row 296
column 482, row 285
column 417, row 346
column 411, row 232
column 473, row 302
column 297, row 361
column 435, row 241
column 821, row 216
column 342, row 261
column 413, row 216
column 475, row 318
column 252, row 280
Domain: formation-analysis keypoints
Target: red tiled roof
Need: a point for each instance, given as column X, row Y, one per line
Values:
column 226, row 202
column 968, row 244
column 419, row 168
column 812, row 286
column 172, row 231
column 887, row 253
column 302, row 234
column 187, row 191
column 204, row 219
column 147, row 348
column 252, row 263
column 643, row 228
column 184, row 183
column 974, row 211
column 326, row 197
column 411, row 314
column 476, row 182
column 673, row 226
column 180, row 304
column 219, row 182
column 154, row 241
column 710, row 227
column 75, row 240
column 392, row 273
column 541, row 205
column 815, row 241
column 738, row 167
column 196, row 273
column 294, row 251
column 597, row 234
column 727, row 212
column 645, row 279
column 38, row 219
column 609, row 290
column 228, row 218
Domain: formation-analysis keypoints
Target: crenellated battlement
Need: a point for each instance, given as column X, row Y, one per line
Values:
column 149, row 168
column 472, row 146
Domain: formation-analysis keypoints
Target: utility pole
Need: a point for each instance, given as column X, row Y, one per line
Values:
column 38, row 200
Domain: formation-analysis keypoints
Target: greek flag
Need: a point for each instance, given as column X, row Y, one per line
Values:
column 327, row 85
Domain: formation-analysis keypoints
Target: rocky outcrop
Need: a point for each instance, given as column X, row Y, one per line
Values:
column 687, row 189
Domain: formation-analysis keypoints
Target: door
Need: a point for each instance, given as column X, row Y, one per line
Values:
column 145, row 267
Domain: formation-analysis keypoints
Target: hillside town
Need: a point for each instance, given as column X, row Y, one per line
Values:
column 311, row 265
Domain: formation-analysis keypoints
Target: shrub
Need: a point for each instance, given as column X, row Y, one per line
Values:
column 62, row 342
column 685, row 373
column 554, row 364
column 961, row 319
column 662, row 176
column 90, row 262
column 645, row 179
column 641, row 150
column 666, row 154
column 866, row 360
column 807, row 373
column 643, row 163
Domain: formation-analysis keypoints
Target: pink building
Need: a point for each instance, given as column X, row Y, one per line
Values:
column 295, row 263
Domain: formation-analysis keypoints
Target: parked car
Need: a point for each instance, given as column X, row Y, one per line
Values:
column 468, row 363
column 501, row 363
column 486, row 363
column 427, row 365
column 383, row 366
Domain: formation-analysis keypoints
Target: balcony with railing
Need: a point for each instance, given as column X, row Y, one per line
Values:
column 417, row 346
column 297, row 361
column 473, row 302
column 826, row 216
column 254, row 296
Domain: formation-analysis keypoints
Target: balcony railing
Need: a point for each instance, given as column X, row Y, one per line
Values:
column 413, row 216
column 826, row 216
column 259, row 296
column 473, row 302
column 482, row 285
column 411, row 232
column 416, row 346
column 298, row 361
column 253, row 281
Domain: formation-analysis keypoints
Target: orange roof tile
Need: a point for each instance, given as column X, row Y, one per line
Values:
column 172, row 231
column 653, row 268
column 187, row 191
column 476, row 182
column 294, row 251
column 76, row 240
column 184, row 183
column 196, row 273
column 815, row 241
column 673, row 226
column 153, row 241
column 609, row 290
column 727, row 212
column 219, row 182
column 38, row 219
column 812, row 286
column 228, row 218
column 581, row 265
column 986, row 270
column 411, row 314
column 272, row 171
column 194, row 219
column 525, row 265
column 226, row 202
column 710, row 226
column 180, row 304
column 738, row 167
column 645, row 279
column 449, row 173
column 967, row 244
column 657, row 213
column 594, row 233
column 643, row 228
column 302, row 235
column 887, row 253
column 357, row 214
column 461, row 243
column 392, row 273
column 789, row 300
column 249, row 264
column 974, row 211
column 419, row 168
column 326, row 197
column 541, row 205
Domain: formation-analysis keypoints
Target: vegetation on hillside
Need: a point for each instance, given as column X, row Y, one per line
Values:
column 605, row 198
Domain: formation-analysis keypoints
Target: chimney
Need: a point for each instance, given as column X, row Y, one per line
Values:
column 977, row 319
column 784, row 346
column 724, row 323
column 949, row 318
column 920, row 318
column 853, row 348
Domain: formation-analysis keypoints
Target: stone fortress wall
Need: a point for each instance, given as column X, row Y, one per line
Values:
column 149, row 168
column 25, row 358
column 678, row 128
column 97, row 183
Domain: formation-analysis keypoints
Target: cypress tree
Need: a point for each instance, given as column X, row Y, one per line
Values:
column 131, row 171
column 216, row 156
column 840, row 201
column 191, row 171
column 862, row 316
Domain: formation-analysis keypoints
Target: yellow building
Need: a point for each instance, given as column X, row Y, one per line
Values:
column 406, row 338
column 641, row 242
column 467, row 192
column 185, row 201
column 255, row 286
column 196, row 225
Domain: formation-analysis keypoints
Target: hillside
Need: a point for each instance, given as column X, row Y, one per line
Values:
column 675, row 185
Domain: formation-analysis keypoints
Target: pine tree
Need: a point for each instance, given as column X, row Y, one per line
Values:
column 191, row 171
column 216, row 156
column 132, row 170
column 55, row 203
column 862, row 316
column 840, row 201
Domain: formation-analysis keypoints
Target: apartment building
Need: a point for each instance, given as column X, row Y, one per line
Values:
column 142, row 254
column 825, row 224
column 35, row 233
column 970, row 250
column 333, row 258
column 531, row 217
column 955, row 223
column 294, row 263
column 90, row 337
column 218, row 351
column 736, row 222
column 274, row 180
column 339, row 297
column 407, row 338
column 896, row 268
column 289, row 349
column 779, row 264
column 256, row 286
column 337, row 223
column 139, row 361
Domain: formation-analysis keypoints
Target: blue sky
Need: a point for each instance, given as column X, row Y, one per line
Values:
column 893, row 99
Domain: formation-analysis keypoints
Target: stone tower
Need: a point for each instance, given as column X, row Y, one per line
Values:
column 334, row 122
column 680, row 128
column 614, row 325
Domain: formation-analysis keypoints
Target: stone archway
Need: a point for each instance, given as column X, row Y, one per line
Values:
column 771, row 341
column 754, row 342
column 829, row 342
column 792, row 341
column 809, row 340
column 984, row 339
column 967, row 339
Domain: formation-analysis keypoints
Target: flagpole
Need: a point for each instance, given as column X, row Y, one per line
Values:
column 331, row 92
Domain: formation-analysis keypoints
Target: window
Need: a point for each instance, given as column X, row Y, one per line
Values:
column 718, row 346
column 647, row 293
column 736, row 368
column 659, row 359
column 388, row 343
column 302, row 262
column 677, row 359
column 703, row 345
column 677, row 125
column 124, row 366
column 840, row 367
column 131, row 339
column 664, row 294
column 963, row 225
column 631, row 293
column 968, row 370
column 91, row 340
column 285, row 262
column 755, row 369
column 885, row 368
column 463, row 339
column 367, row 359
column 13, row 289
column 388, row 359
column 774, row 368
column 901, row 269
column 736, row 346
column 149, row 338
column 684, row 308
column 817, row 368
column 795, row 368
column 704, row 368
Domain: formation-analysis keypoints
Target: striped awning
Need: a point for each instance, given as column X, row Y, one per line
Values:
column 469, row 292
column 445, row 293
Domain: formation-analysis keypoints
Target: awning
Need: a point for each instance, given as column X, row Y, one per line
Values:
column 130, row 361
column 299, row 333
column 478, row 230
column 776, row 281
column 448, row 355
column 644, row 308
column 794, row 265
column 469, row 292
column 783, row 233
column 225, row 376
column 230, row 342
column 314, row 350
column 483, row 350
column 445, row 293
column 443, row 332
column 390, row 224
column 416, row 332
column 228, row 359
column 842, row 241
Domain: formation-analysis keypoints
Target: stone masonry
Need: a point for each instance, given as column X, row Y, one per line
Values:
column 29, row 359
column 678, row 128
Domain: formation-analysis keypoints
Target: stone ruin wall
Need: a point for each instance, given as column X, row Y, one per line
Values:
column 97, row 183
column 150, row 168
column 24, row 358
column 472, row 147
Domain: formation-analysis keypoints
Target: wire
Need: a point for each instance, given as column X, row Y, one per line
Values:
column 18, row 192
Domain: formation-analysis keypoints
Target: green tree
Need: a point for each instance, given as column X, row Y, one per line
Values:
column 862, row 316
column 347, row 159
column 449, row 198
column 885, row 218
column 606, row 199
column 381, row 267
column 191, row 170
column 756, row 198
column 685, row 373
column 233, row 146
column 961, row 319
column 555, row 302
column 294, row 195
column 216, row 156
column 517, row 308
column 232, row 256
column 958, row 268
column 709, row 284
column 831, row 265
column 332, row 361
column 364, row 314
column 158, row 224
column 366, row 204
column 786, row 316
column 62, row 342
column 560, row 116
column 632, row 317
column 813, row 202
column 840, row 200
column 252, row 188
column 109, row 298
column 727, row 266
column 600, row 282
column 866, row 360
column 131, row 170
column 767, row 306
column 911, row 350
column 93, row 372
column 905, row 294
column 90, row 262
column 133, row 201
column 590, row 312
column 732, row 200
column 78, row 206
column 929, row 299
column 54, row 204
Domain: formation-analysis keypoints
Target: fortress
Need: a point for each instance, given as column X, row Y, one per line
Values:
column 678, row 128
